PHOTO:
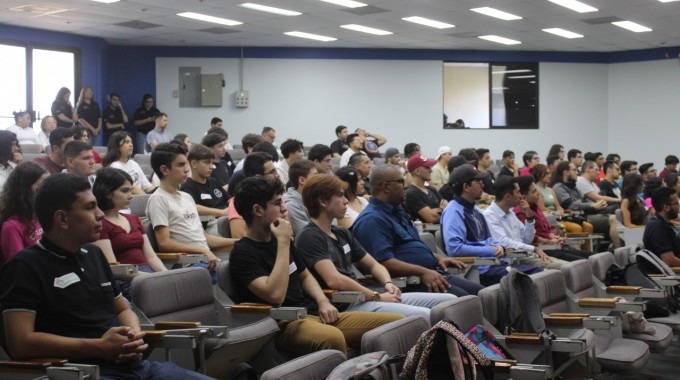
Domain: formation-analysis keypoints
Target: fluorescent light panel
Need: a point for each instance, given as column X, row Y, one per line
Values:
column 428, row 22
column 493, row 12
column 268, row 9
column 517, row 71
column 574, row 5
column 366, row 29
column 500, row 40
column 106, row 1
column 632, row 26
column 310, row 36
column 668, row 1
column 206, row 18
column 563, row 33
column 346, row 3
column 522, row 77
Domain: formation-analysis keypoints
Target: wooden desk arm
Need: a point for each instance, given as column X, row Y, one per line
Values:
column 154, row 334
column 33, row 364
column 466, row 259
column 571, row 321
column 622, row 289
column 597, row 302
column 503, row 365
column 520, row 338
column 329, row 293
column 675, row 269
column 577, row 234
column 171, row 325
column 579, row 315
column 251, row 308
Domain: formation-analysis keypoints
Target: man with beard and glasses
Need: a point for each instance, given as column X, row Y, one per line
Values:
column 660, row 237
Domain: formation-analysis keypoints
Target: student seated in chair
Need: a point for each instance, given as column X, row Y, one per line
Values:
column 60, row 300
column 173, row 213
column 266, row 269
column 329, row 253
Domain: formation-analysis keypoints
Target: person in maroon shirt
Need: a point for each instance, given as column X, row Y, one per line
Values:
column 122, row 238
column 544, row 232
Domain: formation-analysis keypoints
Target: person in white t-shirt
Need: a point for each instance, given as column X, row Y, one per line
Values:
column 586, row 187
column 22, row 128
column 119, row 156
column 47, row 125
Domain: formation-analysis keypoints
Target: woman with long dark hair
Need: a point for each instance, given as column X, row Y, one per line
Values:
column 10, row 155
column 89, row 114
column 20, row 228
column 63, row 110
column 355, row 185
column 633, row 208
column 119, row 156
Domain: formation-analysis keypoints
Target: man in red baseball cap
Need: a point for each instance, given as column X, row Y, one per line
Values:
column 422, row 200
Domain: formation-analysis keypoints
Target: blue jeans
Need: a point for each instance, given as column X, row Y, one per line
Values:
column 495, row 272
column 148, row 370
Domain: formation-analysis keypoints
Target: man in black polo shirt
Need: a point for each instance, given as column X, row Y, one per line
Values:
column 659, row 236
column 210, row 197
column 59, row 297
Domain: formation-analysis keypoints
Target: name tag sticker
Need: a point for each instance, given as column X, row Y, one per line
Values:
column 292, row 268
column 66, row 280
column 206, row 196
column 346, row 248
column 105, row 284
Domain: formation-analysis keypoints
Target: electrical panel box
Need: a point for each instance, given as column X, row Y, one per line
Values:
column 189, row 87
column 211, row 90
column 242, row 99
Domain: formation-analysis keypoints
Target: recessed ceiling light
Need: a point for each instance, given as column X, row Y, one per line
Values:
column 310, row 36
column 428, row 22
column 632, row 26
column 668, row 1
column 574, row 5
column 493, row 12
column 213, row 19
column 563, row 33
column 521, row 76
column 106, row 1
column 500, row 40
column 366, row 29
column 346, row 3
column 264, row 8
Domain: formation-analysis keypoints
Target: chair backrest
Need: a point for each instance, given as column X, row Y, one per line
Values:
column 395, row 338
column 237, row 154
column 439, row 239
column 465, row 312
column 224, row 279
column 578, row 276
column 142, row 159
column 488, row 297
column 624, row 255
column 148, row 228
column 223, row 228
column 552, row 291
column 31, row 156
column 177, row 295
column 138, row 205
column 600, row 263
column 31, row 148
column 428, row 239
column 102, row 150
column 317, row 365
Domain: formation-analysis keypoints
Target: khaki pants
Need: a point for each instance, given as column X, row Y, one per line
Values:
column 309, row 335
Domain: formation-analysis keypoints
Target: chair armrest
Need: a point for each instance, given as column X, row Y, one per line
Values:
column 277, row 313
column 622, row 289
column 176, row 325
column 169, row 256
column 675, row 269
column 123, row 270
column 563, row 321
column 597, row 302
column 520, row 338
column 343, row 296
column 577, row 234
column 430, row 227
column 581, row 315
column 251, row 308
column 32, row 364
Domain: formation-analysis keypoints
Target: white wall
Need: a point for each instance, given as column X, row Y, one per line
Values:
column 402, row 100
column 306, row 99
column 644, row 110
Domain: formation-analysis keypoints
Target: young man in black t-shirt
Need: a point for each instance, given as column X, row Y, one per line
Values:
column 660, row 237
column 210, row 197
column 59, row 297
column 266, row 270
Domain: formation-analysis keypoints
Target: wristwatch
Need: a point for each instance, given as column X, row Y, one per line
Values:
column 376, row 296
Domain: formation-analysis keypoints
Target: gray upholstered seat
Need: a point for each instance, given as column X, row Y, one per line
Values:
column 613, row 354
column 187, row 295
column 601, row 262
column 578, row 277
column 395, row 338
column 138, row 205
column 317, row 365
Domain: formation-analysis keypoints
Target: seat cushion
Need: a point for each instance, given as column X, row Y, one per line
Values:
column 659, row 341
column 620, row 354
column 672, row 321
